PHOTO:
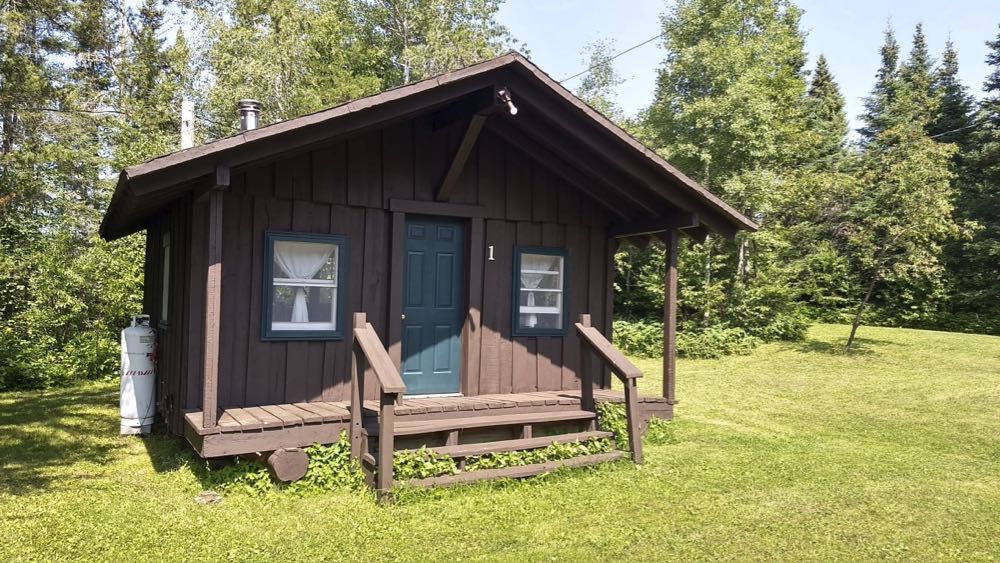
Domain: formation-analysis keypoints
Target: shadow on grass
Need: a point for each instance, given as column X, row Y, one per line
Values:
column 861, row 346
column 42, row 433
column 169, row 453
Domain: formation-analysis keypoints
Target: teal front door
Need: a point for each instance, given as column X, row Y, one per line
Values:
column 432, row 306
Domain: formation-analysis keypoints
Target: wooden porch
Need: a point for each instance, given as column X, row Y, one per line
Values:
column 459, row 426
column 264, row 428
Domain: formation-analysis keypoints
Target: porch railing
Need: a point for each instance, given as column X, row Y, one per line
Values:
column 367, row 350
column 620, row 366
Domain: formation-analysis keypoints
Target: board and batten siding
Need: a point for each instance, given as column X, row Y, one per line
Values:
column 344, row 187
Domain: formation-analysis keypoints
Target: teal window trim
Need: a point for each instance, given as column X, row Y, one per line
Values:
column 516, row 328
column 266, row 330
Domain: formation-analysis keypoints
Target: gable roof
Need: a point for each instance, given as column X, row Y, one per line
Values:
column 557, row 117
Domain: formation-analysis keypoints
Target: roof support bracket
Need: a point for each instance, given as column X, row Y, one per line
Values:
column 461, row 157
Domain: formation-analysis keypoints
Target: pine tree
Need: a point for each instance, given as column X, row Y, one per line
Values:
column 899, row 220
column 884, row 90
column 151, row 81
column 64, row 294
column 955, row 113
column 918, row 73
column 825, row 115
column 976, row 264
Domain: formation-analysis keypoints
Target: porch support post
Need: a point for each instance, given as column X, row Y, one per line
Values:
column 670, row 239
column 358, row 366
column 586, row 370
column 213, row 300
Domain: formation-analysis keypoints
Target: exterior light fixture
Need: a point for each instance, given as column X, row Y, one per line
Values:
column 504, row 96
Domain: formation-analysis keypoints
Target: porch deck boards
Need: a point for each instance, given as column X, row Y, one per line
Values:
column 301, row 424
column 251, row 419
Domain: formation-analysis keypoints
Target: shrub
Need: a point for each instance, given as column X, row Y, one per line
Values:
column 611, row 418
column 330, row 467
column 552, row 452
column 241, row 476
column 638, row 338
column 422, row 464
column 715, row 342
column 645, row 338
column 63, row 302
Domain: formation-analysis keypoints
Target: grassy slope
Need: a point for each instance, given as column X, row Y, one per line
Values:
column 796, row 452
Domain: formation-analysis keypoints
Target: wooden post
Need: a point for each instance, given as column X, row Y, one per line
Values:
column 357, row 387
column 213, row 301
column 632, row 414
column 586, row 374
column 397, row 270
column 670, row 317
column 386, row 446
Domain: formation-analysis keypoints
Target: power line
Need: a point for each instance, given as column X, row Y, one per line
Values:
column 976, row 124
column 613, row 57
column 73, row 110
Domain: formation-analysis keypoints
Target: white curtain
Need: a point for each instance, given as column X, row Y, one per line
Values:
column 301, row 260
column 539, row 263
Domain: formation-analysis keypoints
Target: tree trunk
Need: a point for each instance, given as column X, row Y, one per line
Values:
column 708, row 271
column 861, row 309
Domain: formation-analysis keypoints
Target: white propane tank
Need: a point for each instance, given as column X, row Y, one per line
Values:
column 138, row 387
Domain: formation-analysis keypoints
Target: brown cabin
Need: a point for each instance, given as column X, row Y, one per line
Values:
column 428, row 265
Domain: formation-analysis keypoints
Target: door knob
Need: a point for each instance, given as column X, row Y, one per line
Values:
column 403, row 316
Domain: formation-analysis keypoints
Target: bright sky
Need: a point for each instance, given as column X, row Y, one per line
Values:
column 848, row 32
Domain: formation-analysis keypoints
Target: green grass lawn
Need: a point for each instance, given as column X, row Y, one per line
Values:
column 796, row 452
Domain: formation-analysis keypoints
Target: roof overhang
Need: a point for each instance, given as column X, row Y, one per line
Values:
column 620, row 170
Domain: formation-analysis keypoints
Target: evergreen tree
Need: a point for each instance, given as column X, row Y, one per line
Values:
column 825, row 115
column 955, row 114
column 151, row 79
column 918, row 73
column 64, row 294
column 884, row 90
column 902, row 215
column 976, row 262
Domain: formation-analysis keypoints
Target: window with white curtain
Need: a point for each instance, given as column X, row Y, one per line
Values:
column 540, row 282
column 305, row 286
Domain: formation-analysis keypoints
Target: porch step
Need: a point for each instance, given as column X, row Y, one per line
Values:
column 414, row 427
column 469, row 450
column 512, row 472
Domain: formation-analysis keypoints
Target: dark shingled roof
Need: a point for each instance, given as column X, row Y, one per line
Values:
column 146, row 188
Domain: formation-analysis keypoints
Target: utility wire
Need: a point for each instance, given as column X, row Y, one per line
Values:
column 612, row 57
column 80, row 111
column 974, row 125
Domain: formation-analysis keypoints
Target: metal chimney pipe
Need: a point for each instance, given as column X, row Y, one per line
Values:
column 249, row 114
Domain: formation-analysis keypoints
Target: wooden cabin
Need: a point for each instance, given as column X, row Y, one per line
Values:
column 430, row 265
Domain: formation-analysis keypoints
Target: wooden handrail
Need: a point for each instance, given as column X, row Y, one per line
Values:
column 617, row 361
column 367, row 349
column 388, row 376
column 626, row 371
